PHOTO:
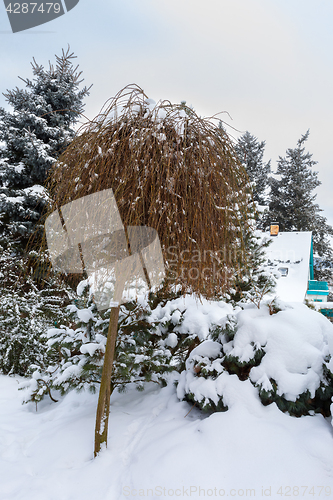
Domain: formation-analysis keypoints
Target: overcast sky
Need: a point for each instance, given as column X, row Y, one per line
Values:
column 268, row 63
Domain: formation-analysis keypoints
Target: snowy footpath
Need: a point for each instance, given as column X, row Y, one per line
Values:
column 159, row 451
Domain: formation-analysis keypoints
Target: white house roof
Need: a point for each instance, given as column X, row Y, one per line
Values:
column 291, row 251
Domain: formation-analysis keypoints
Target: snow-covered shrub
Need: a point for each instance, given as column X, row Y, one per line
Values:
column 185, row 321
column 156, row 336
column 210, row 363
column 296, row 371
column 286, row 356
column 199, row 383
column 143, row 352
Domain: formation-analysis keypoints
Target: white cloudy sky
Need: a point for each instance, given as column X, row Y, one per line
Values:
column 268, row 63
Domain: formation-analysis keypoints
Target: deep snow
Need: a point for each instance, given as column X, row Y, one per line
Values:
column 159, row 450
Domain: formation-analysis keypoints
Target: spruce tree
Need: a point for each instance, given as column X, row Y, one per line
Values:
column 292, row 201
column 33, row 135
column 252, row 281
column 250, row 153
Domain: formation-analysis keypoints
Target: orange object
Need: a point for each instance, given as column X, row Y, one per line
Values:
column 274, row 229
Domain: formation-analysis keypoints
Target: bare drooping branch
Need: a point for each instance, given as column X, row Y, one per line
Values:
column 170, row 170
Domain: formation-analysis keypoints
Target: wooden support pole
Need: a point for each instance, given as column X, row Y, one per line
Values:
column 103, row 406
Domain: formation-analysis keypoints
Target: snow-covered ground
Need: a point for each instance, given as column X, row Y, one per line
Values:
column 159, row 450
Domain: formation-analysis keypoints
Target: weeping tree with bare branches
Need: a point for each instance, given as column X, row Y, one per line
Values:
column 169, row 170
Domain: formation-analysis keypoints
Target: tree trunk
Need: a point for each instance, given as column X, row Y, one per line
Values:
column 103, row 406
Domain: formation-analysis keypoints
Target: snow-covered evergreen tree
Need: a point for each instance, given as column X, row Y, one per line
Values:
column 33, row 135
column 250, row 153
column 145, row 348
column 292, row 201
column 26, row 312
column 253, row 282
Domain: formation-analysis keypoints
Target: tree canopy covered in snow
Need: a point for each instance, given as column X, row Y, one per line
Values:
column 34, row 134
column 293, row 201
column 250, row 153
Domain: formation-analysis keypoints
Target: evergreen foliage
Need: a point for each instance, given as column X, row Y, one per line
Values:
column 213, row 359
column 32, row 137
column 34, row 134
column 254, row 282
column 146, row 350
column 292, row 201
column 210, row 365
column 304, row 404
column 250, row 153
column 26, row 311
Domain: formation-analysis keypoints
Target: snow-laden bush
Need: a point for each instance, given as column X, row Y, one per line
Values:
column 76, row 350
column 186, row 321
column 286, row 356
column 156, row 335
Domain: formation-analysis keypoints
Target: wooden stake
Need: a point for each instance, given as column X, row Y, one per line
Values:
column 103, row 406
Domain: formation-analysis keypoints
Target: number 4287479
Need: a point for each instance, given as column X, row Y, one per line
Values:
column 30, row 8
